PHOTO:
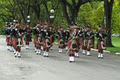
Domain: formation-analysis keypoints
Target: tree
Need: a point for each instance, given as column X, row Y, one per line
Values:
column 108, row 6
column 71, row 9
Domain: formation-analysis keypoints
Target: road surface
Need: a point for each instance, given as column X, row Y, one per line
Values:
column 56, row 66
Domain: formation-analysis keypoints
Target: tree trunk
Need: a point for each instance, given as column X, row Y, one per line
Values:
column 65, row 12
column 71, row 11
column 47, row 12
column 108, row 14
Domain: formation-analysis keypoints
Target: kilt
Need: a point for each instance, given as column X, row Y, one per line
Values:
column 100, row 47
column 14, row 43
column 71, row 52
column 84, row 45
column 89, row 45
column 9, row 40
column 51, row 39
column 35, row 40
column 81, row 41
column 92, row 42
column 27, row 40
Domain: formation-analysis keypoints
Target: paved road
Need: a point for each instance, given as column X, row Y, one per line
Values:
column 56, row 67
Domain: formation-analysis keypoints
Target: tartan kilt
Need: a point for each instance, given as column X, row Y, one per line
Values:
column 27, row 39
column 51, row 39
column 44, row 44
column 35, row 40
column 14, row 42
column 9, row 40
column 100, row 47
column 84, row 45
column 88, row 47
column 81, row 41
column 71, row 52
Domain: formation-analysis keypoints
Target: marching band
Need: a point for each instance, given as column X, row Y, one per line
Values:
column 72, row 39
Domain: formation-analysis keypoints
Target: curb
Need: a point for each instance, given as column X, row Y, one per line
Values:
column 103, row 50
column 117, row 53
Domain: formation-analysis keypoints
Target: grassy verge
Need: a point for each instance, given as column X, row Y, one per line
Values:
column 116, row 43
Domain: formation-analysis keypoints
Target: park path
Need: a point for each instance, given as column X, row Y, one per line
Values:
column 56, row 67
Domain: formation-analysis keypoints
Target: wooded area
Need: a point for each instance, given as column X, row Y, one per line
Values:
column 82, row 12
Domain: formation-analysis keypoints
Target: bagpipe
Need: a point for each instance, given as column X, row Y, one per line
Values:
column 47, row 40
column 19, row 42
column 20, row 34
column 101, row 40
column 103, row 45
column 40, row 41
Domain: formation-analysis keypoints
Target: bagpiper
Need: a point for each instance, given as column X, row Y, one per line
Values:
column 67, row 33
column 8, row 37
column 46, row 40
column 73, row 48
column 37, row 37
column 89, row 36
column 52, row 36
column 75, row 33
column 101, row 36
column 61, row 39
column 28, row 33
column 17, row 33
column 84, row 40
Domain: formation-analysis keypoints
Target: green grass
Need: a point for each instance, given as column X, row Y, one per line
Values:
column 116, row 43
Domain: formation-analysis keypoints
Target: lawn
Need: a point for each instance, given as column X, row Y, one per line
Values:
column 116, row 43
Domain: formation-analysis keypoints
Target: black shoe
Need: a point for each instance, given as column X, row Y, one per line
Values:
column 19, row 56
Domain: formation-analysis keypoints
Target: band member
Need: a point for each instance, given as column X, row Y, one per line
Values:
column 37, row 37
column 8, row 37
column 28, row 33
column 92, row 38
column 80, row 35
column 89, row 36
column 46, row 46
column 61, row 39
column 73, row 47
column 46, row 40
column 52, row 36
column 101, row 42
column 75, row 34
column 39, row 44
column 84, row 40
column 67, row 33
column 17, row 34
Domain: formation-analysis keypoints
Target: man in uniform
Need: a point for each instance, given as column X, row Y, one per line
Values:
column 17, row 33
column 46, row 34
column 101, row 42
column 37, row 37
column 61, row 39
column 28, row 33
column 8, row 37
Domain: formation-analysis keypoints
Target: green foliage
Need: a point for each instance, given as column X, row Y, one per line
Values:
column 116, row 43
column 116, row 18
column 89, row 13
column 92, row 14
